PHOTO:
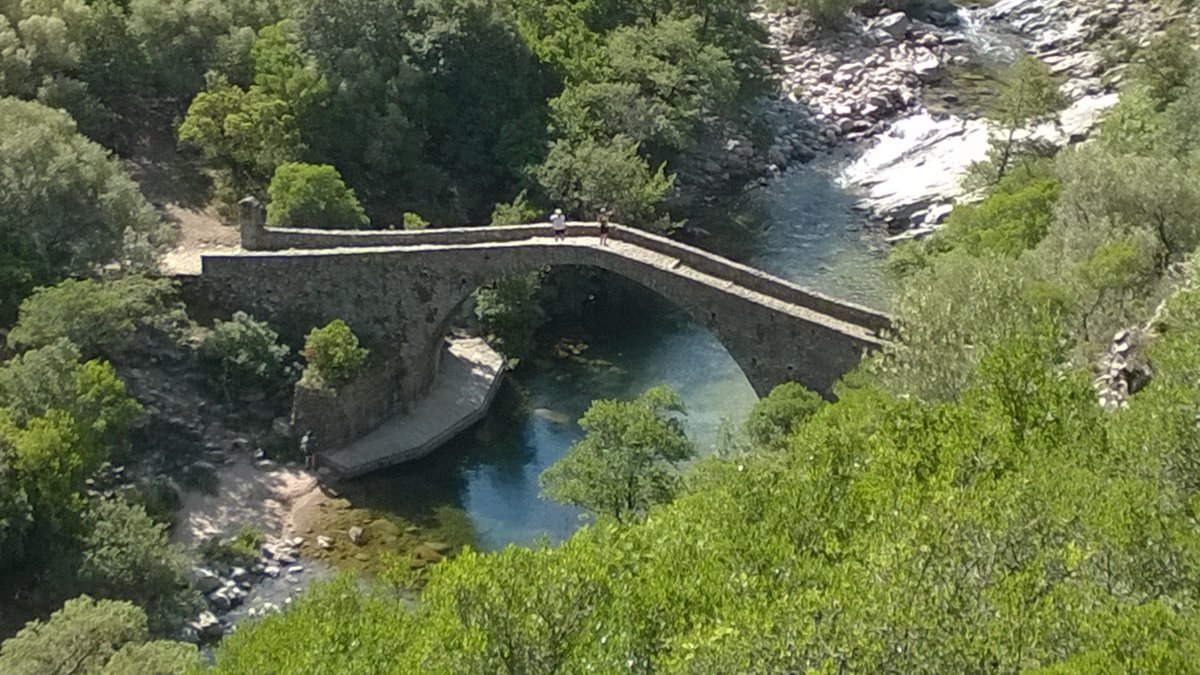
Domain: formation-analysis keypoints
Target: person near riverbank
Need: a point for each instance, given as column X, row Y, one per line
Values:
column 559, row 222
column 310, row 456
column 603, row 219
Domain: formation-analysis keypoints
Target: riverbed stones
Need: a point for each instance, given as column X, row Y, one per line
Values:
column 357, row 535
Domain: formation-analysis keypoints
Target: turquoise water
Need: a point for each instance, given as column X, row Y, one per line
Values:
column 483, row 488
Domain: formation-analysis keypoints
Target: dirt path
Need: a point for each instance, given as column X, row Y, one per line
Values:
column 201, row 231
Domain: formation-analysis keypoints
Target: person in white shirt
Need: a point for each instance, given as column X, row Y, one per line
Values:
column 559, row 222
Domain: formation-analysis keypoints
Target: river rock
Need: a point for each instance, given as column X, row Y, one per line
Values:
column 896, row 25
column 324, row 542
column 205, row 580
column 426, row 553
column 928, row 68
column 356, row 535
column 219, row 601
column 439, row 547
column 208, row 627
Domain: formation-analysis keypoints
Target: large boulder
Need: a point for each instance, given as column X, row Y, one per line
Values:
column 206, row 581
column 896, row 25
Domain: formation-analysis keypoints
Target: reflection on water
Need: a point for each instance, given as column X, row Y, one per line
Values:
column 483, row 488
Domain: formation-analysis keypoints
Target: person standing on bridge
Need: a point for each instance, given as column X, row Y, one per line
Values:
column 602, row 218
column 559, row 222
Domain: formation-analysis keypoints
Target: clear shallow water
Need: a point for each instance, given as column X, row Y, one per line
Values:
column 482, row 489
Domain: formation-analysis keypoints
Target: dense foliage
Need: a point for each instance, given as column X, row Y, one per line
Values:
column 245, row 354
column 964, row 506
column 101, row 317
column 308, row 195
column 509, row 312
column 60, row 418
column 448, row 108
column 66, row 207
column 93, row 636
column 127, row 556
column 333, row 354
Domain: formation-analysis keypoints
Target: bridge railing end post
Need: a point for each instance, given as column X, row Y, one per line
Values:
column 252, row 224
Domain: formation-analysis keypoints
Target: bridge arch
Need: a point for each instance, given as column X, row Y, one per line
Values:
column 399, row 290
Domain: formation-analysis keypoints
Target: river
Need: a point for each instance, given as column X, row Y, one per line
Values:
column 482, row 489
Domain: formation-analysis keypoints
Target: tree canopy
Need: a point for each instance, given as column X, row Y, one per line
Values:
column 66, row 206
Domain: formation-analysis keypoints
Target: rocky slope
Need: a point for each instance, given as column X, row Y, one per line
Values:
column 884, row 86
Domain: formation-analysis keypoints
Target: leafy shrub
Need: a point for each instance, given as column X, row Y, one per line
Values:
column 241, row 549
column 158, row 657
column 159, row 496
column 59, row 421
column 626, row 462
column 333, row 354
column 312, row 195
column 518, row 211
column 99, row 317
column 779, row 414
column 126, row 556
column 413, row 221
column 245, row 353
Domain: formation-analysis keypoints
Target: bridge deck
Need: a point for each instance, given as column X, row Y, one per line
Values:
column 467, row 381
column 622, row 249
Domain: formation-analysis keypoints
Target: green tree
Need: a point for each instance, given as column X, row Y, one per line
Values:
column 371, row 127
column 312, row 195
column 1165, row 66
column 413, row 221
column 245, row 354
column 1030, row 96
column 516, row 212
column 127, row 556
column 626, row 461
column 775, row 417
column 586, row 175
column 101, row 317
column 1107, row 196
column 59, row 420
column 79, row 638
column 657, row 82
column 333, row 354
column 245, row 133
column 66, row 207
column 16, row 515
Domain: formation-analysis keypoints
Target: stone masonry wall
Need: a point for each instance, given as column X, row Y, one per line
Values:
column 336, row 417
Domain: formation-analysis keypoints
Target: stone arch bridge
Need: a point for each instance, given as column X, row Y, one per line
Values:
column 399, row 290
